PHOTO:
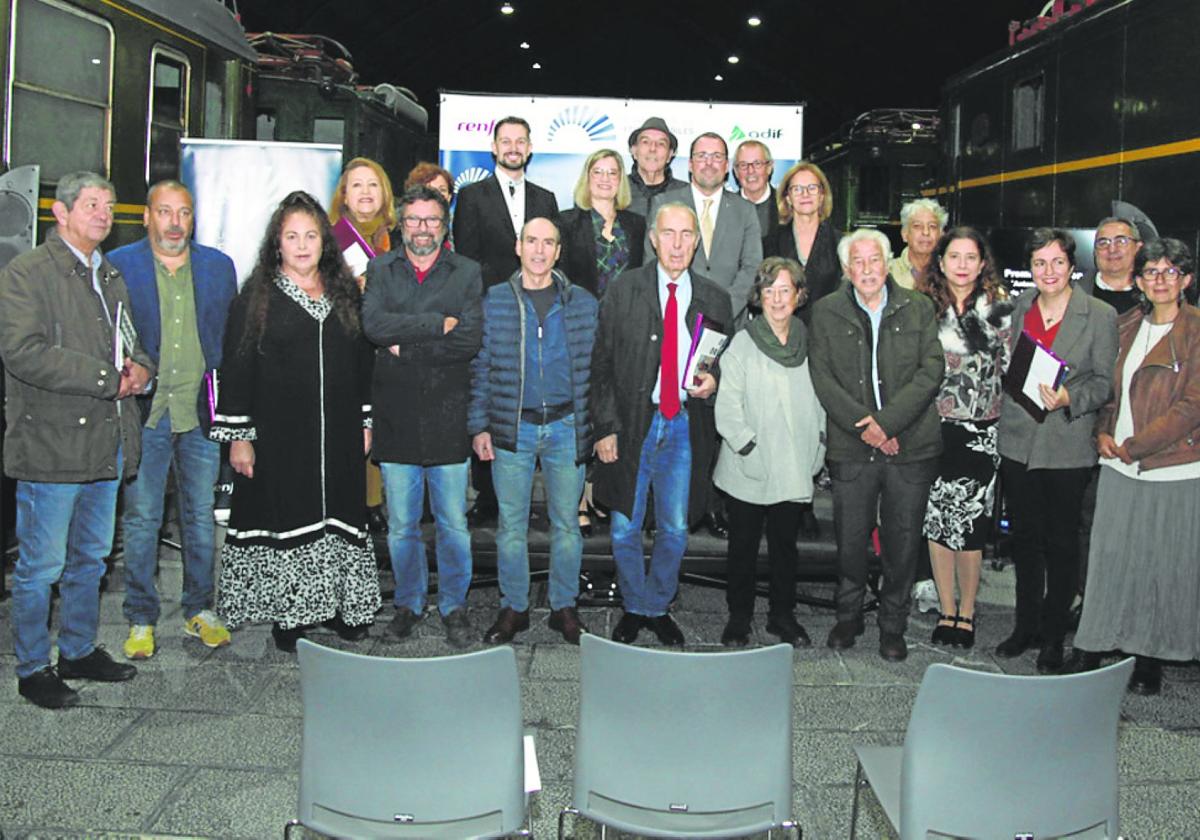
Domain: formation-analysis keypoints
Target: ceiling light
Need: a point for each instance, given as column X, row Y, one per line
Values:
column 733, row 59
column 718, row 78
column 524, row 45
column 916, row 126
column 754, row 20
column 537, row 65
column 507, row 9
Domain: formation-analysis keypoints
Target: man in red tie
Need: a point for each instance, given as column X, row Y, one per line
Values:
column 652, row 429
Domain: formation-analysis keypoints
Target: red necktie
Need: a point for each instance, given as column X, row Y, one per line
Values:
column 668, row 390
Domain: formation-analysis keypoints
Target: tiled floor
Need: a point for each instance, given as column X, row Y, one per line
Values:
column 205, row 743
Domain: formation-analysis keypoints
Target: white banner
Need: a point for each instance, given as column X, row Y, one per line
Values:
column 566, row 129
column 237, row 184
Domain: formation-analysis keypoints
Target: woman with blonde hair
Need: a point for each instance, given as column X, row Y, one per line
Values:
column 805, row 233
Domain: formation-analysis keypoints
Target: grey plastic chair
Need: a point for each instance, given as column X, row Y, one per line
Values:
column 410, row 747
column 683, row 744
column 998, row 756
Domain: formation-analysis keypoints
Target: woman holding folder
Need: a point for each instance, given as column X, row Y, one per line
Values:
column 363, row 198
column 1143, row 593
column 1046, row 446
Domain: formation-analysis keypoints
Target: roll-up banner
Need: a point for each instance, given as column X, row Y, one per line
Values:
column 237, row 184
column 566, row 129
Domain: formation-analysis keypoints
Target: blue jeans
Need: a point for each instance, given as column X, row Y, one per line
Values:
column 665, row 465
column 404, row 486
column 512, row 475
column 64, row 532
column 196, row 459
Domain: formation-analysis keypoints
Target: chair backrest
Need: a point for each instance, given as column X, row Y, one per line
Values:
column 684, row 744
column 992, row 755
column 411, row 747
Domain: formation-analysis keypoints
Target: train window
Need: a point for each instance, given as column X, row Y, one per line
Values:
column 170, row 77
column 74, row 89
column 874, row 190
column 328, row 130
column 1027, row 113
column 264, row 125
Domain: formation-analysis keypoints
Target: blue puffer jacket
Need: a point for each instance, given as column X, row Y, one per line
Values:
column 498, row 372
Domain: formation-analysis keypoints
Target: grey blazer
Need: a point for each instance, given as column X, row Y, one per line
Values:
column 736, row 248
column 1087, row 342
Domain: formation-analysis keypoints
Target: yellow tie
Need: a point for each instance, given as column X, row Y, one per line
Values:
column 706, row 226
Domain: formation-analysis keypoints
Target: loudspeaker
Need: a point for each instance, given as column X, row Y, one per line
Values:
column 18, row 211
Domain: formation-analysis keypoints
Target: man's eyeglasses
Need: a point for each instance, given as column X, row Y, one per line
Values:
column 426, row 221
column 715, row 157
column 1118, row 241
column 750, row 164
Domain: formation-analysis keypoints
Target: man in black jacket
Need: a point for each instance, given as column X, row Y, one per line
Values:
column 422, row 305
column 650, row 431
column 488, row 219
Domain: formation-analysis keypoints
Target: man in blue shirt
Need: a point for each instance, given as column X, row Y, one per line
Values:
column 529, row 402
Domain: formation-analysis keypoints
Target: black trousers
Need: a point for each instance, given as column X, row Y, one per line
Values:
column 745, row 531
column 895, row 494
column 1044, row 511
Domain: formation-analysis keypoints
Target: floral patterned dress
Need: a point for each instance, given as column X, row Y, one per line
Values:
column 958, row 514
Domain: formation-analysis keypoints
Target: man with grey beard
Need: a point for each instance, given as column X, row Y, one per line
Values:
column 423, row 307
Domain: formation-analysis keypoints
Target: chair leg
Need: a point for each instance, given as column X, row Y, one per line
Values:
column 857, row 789
column 562, row 815
column 287, row 828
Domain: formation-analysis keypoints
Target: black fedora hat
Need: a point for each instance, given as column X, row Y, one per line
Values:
column 658, row 124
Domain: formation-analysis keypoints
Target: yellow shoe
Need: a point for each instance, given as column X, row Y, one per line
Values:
column 209, row 629
column 140, row 644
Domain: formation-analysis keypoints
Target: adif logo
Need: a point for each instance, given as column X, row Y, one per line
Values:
column 763, row 134
column 470, row 176
column 580, row 122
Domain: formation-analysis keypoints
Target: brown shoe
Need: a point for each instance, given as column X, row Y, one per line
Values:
column 566, row 621
column 507, row 625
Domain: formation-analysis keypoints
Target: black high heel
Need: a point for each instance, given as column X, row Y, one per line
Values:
column 943, row 634
column 585, row 522
column 964, row 637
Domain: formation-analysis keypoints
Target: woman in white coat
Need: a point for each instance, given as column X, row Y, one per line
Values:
column 773, row 442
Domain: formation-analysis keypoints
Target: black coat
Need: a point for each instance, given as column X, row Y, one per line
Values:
column 822, row 272
column 419, row 398
column 483, row 231
column 578, row 258
column 625, row 366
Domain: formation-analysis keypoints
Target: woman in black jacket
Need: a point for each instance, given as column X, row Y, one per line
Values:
column 805, row 233
column 600, row 239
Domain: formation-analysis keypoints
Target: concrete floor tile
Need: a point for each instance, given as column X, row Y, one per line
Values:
column 555, row 752
column 852, row 708
column 206, row 687
column 1159, row 812
column 830, row 807
column 87, row 733
column 60, row 798
column 232, row 804
column 1149, row 754
column 554, row 662
column 550, row 704
column 823, row 758
column 247, row 741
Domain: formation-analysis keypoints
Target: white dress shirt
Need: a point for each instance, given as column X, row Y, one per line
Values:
column 514, row 198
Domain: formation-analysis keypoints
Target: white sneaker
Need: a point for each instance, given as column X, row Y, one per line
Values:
column 925, row 595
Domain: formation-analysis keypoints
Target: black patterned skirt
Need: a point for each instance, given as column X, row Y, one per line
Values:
column 958, row 514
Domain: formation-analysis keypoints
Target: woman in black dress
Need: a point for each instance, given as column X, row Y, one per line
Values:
column 805, row 233
column 294, row 405
column 974, row 323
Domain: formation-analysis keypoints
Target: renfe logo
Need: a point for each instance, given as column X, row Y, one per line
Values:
column 485, row 127
column 763, row 134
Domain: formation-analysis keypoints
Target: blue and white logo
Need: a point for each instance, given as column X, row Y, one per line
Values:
column 579, row 123
column 470, row 176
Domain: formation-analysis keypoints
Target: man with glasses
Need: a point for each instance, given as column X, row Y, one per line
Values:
column 488, row 221
column 1117, row 243
column 730, row 246
column 753, row 168
column 422, row 306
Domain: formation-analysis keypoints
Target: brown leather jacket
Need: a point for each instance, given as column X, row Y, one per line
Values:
column 1165, row 393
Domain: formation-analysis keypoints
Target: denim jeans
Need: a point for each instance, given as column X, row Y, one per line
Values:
column 64, row 532
column 404, row 486
column 666, row 465
column 512, row 475
column 196, row 459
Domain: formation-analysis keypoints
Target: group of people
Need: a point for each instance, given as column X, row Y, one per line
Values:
column 518, row 336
